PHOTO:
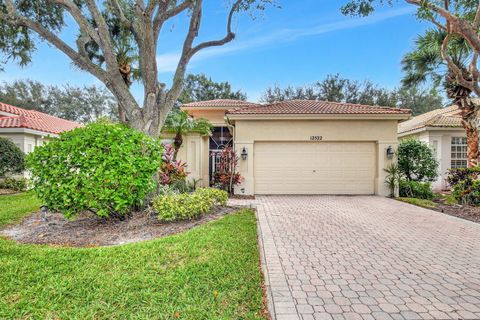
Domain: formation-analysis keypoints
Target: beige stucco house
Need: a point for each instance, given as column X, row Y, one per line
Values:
column 297, row 147
column 442, row 130
column 29, row 128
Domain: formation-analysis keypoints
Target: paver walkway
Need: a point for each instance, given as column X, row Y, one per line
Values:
column 360, row 257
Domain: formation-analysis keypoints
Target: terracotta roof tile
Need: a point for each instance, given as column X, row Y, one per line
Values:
column 225, row 103
column 445, row 117
column 31, row 119
column 316, row 107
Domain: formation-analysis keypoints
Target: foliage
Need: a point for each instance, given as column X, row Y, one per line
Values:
column 181, row 123
column 16, row 206
column 217, row 262
column 16, row 184
column 226, row 177
column 11, row 158
column 104, row 168
column 171, row 171
column 199, row 87
column 393, row 178
column 338, row 89
column 116, row 36
column 220, row 197
column 465, row 186
column 184, row 206
column 81, row 104
column 424, row 203
column 417, row 161
column 416, row 189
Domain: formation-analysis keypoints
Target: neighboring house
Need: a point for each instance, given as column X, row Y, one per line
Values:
column 29, row 128
column 442, row 130
column 297, row 147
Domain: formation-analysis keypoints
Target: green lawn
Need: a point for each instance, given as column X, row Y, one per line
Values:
column 209, row 272
column 419, row 202
column 14, row 207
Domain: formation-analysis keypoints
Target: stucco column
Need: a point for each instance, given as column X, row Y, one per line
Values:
column 383, row 162
column 245, row 168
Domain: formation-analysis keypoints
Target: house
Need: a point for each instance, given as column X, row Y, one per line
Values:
column 442, row 130
column 30, row 128
column 298, row 146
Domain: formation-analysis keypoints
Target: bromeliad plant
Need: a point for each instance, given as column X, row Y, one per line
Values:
column 225, row 176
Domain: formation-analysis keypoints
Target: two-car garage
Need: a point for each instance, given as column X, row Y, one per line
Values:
column 314, row 147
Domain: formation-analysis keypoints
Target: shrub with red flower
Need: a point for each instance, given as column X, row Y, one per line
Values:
column 172, row 171
column 225, row 176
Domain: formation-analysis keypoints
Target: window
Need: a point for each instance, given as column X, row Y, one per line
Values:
column 458, row 152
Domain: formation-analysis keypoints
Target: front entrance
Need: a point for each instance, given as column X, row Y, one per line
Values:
column 220, row 139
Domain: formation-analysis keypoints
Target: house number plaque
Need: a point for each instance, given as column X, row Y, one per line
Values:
column 316, row 138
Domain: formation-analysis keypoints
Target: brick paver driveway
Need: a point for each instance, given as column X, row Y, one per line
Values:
column 338, row 257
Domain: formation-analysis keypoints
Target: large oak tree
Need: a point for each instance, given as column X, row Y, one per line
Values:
column 140, row 21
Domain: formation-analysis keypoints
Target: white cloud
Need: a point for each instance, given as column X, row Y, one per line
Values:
column 168, row 62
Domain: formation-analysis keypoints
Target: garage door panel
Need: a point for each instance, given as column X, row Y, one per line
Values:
column 314, row 168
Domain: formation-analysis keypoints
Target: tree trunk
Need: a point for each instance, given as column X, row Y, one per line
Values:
column 177, row 143
column 472, row 142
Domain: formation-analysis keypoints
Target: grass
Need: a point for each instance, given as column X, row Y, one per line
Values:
column 209, row 272
column 14, row 207
column 419, row 202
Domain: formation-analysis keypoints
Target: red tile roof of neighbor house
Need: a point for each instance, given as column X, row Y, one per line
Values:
column 30, row 119
column 448, row 117
column 316, row 107
column 225, row 103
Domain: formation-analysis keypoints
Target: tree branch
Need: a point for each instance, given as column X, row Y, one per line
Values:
column 117, row 9
column 459, row 26
column 78, row 59
column 163, row 14
column 228, row 37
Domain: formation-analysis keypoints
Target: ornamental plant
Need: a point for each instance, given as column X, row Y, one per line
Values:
column 11, row 158
column 171, row 170
column 465, row 185
column 172, row 206
column 416, row 161
column 104, row 168
column 226, row 177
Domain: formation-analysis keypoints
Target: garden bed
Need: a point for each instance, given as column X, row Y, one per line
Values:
column 88, row 230
column 464, row 212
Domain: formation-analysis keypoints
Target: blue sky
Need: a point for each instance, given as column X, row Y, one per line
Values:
column 299, row 43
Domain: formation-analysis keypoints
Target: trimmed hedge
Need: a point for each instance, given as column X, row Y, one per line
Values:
column 104, row 168
column 11, row 158
column 415, row 189
column 185, row 206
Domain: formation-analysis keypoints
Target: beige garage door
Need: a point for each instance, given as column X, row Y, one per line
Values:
column 314, row 167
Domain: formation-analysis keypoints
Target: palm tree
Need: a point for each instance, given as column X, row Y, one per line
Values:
column 425, row 63
column 180, row 123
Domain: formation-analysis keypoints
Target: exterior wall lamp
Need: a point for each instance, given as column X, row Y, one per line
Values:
column 244, row 154
column 390, row 152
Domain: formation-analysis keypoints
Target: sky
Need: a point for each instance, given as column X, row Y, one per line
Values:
column 297, row 44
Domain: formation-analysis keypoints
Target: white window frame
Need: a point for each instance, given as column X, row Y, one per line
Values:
column 458, row 152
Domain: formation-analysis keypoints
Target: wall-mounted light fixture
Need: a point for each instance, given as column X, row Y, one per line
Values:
column 390, row 152
column 244, row 154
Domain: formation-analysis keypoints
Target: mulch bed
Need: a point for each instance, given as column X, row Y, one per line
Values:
column 7, row 191
column 88, row 230
column 464, row 212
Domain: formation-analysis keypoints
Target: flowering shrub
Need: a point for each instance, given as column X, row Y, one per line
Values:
column 225, row 176
column 172, row 171
column 184, row 206
column 103, row 168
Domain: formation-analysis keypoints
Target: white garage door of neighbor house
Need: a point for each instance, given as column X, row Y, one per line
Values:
column 314, row 167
